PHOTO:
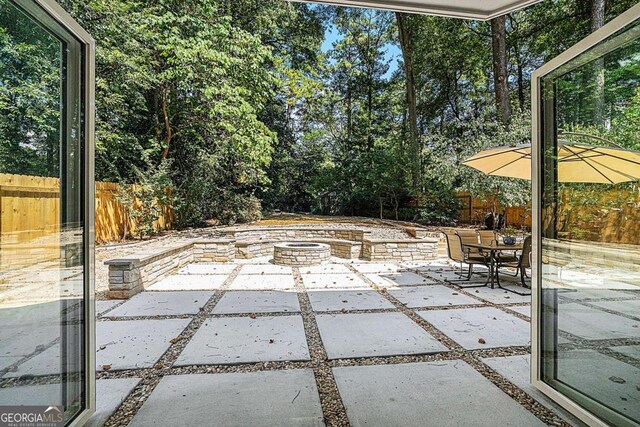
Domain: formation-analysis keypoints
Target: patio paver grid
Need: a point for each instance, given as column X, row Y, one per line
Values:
column 318, row 346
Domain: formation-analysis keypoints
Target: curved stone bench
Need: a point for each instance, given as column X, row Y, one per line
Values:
column 130, row 275
column 254, row 248
column 288, row 234
column 404, row 250
column 422, row 233
column 258, row 248
column 133, row 274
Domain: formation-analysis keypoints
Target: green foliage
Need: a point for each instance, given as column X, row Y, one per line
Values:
column 624, row 130
column 191, row 80
column 236, row 102
column 29, row 96
column 437, row 209
column 442, row 208
column 355, row 123
column 625, row 126
column 144, row 201
column 445, row 154
column 510, row 232
column 292, row 172
column 231, row 208
column 587, row 208
column 454, row 70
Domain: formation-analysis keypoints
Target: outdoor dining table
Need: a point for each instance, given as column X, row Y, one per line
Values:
column 493, row 250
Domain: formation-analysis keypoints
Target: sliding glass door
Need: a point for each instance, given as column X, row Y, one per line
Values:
column 587, row 226
column 46, row 199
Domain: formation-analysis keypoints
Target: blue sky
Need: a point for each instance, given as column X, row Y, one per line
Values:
column 393, row 51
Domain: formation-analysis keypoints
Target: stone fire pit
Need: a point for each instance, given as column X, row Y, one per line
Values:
column 300, row 254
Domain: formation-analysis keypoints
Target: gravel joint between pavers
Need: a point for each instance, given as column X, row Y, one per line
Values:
column 332, row 405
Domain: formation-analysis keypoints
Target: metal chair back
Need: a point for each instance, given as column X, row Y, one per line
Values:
column 488, row 237
column 454, row 246
column 468, row 237
column 525, row 260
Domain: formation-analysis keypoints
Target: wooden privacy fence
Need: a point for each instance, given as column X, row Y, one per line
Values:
column 592, row 214
column 474, row 210
column 30, row 220
column 611, row 216
column 111, row 219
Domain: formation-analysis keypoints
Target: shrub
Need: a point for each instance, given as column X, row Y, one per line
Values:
column 437, row 209
column 143, row 201
column 231, row 208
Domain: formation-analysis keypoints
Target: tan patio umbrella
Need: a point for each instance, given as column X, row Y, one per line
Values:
column 577, row 162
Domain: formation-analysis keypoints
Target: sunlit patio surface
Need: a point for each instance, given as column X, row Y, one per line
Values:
column 351, row 342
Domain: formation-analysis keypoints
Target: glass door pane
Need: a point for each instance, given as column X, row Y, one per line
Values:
column 589, row 226
column 45, row 281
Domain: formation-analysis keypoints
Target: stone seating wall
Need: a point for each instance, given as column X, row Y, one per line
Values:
column 258, row 248
column 421, row 233
column 222, row 250
column 612, row 256
column 284, row 234
column 131, row 275
column 404, row 250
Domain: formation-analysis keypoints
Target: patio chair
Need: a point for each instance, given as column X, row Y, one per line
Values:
column 520, row 263
column 469, row 237
column 488, row 237
column 457, row 254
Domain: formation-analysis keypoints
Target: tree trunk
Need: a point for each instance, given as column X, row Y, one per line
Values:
column 521, row 95
column 168, row 132
column 500, row 76
column 403, row 135
column 370, row 114
column 597, row 21
column 125, row 215
column 396, row 206
column 407, row 57
column 349, row 114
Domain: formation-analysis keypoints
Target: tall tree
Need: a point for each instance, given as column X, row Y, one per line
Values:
column 358, row 72
column 255, row 107
column 597, row 21
column 404, row 36
column 518, row 60
column 500, row 71
column 597, row 14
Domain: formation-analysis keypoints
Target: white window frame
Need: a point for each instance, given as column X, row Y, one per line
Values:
column 449, row 10
column 56, row 13
column 585, row 44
